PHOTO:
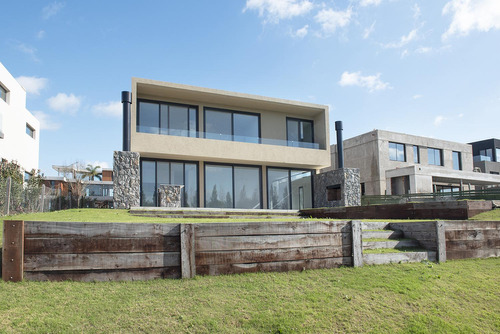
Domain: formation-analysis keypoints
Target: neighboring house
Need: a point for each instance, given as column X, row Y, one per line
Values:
column 487, row 156
column 228, row 150
column 19, row 129
column 396, row 163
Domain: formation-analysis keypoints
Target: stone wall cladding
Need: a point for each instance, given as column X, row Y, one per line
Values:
column 126, row 179
column 170, row 195
column 349, row 181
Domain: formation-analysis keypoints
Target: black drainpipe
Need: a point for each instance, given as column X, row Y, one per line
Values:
column 340, row 146
column 126, row 101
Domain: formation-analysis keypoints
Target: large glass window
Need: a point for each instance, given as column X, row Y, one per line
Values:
column 300, row 132
column 498, row 154
column 457, row 160
column 416, row 154
column 229, row 186
column 486, row 155
column 397, row 152
column 167, row 119
column 289, row 189
column 435, row 156
column 155, row 173
column 232, row 125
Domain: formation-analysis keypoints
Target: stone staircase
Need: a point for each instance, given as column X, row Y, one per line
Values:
column 382, row 245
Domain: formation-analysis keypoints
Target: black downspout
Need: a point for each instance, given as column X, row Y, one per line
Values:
column 126, row 101
column 340, row 146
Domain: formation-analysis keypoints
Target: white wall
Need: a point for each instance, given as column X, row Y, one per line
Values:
column 16, row 144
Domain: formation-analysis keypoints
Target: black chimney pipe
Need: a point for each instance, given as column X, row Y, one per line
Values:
column 126, row 101
column 340, row 146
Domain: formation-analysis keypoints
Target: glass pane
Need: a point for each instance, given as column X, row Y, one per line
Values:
column 307, row 132
column 401, row 152
column 177, row 173
column 218, row 125
column 193, row 120
column 498, row 154
column 163, row 171
column 301, row 180
column 191, row 186
column 416, row 155
column 277, row 187
column 247, row 187
column 292, row 132
column 148, row 187
column 393, row 152
column 456, row 161
column 218, row 186
column 164, row 119
column 246, row 128
column 148, row 117
column 178, row 121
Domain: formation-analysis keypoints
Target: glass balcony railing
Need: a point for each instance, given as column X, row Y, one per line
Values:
column 478, row 158
column 226, row 137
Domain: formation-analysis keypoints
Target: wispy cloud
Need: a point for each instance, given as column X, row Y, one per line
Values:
column 52, row 9
column 330, row 19
column 372, row 82
column 417, row 96
column 33, row 85
column 46, row 122
column 302, row 32
column 470, row 15
column 423, row 49
column 416, row 11
column 412, row 35
column 27, row 49
column 365, row 3
column 275, row 10
column 439, row 120
column 368, row 31
column 41, row 34
column 64, row 103
column 112, row 109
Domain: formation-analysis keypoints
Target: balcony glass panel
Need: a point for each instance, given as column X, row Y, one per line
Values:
column 178, row 121
column 149, row 117
column 218, row 125
column 246, row 128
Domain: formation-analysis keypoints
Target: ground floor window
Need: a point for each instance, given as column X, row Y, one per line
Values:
column 157, row 172
column 232, row 186
column 289, row 189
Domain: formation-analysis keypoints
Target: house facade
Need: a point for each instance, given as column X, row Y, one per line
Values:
column 19, row 129
column 226, row 149
column 487, row 156
column 393, row 163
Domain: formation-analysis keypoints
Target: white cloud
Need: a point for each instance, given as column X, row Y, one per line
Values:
column 405, row 53
column 65, row 103
column 423, row 49
column 52, row 9
column 364, row 3
column 469, row 15
column 276, row 10
column 417, row 96
column 438, row 120
column 112, row 108
column 368, row 31
column 460, row 115
column 330, row 19
column 412, row 35
column 372, row 82
column 46, row 123
column 416, row 11
column 33, row 85
column 29, row 50
column 40, row 34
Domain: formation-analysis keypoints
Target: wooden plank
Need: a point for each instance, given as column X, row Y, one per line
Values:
column 188, row 268
column 271, row 255
column 472, row 254
column 299, row 265
column 398, row 257
column 375, row 225
column 472, row 235
column 440, row 241
column 414, row 227
column 460, row 245
column 120, row 230
column 390, row 244
column 54, row 262
column 271, row 241
column 101, row 245
column 357, row 243
column 472, row 225
column 389, row 234
column 104, row 275
column 268, row 228
column 13, row 250
column 421, row 235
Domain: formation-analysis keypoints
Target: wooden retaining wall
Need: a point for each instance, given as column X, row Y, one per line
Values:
column 472, row 239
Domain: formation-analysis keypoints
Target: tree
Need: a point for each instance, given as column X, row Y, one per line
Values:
column 93, row 171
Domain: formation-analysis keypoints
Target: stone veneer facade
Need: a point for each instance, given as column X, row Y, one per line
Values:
column 350, row 190
column 126, row 180
column 170, row 195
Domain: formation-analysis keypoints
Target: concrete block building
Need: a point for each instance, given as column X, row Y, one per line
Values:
column 486, row 155
column 226, row 149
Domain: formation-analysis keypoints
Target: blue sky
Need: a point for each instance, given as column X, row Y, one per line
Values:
column 427, row 68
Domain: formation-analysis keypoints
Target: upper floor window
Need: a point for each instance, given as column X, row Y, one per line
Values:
column 30, row 131
column 300, row 132
column 457, row 160
column 486, row 155
column 167, row 118
column 498, row 154
column 397, row 152
column 232, row 125
column 416, row 154
column 3, row 93
column 435, row 156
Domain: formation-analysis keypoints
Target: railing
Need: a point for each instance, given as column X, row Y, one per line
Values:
column 482, row 194
column 227, row 137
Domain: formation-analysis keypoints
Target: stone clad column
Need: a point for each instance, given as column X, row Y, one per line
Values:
column 343, row 183
column 126, row 179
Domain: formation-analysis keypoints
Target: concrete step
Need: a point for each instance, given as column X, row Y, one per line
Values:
column 406, row 257
column 388, row 234
column 375, row 225
column 404, row 243
column 212, row 213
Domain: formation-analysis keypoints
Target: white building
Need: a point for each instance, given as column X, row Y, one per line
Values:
column 19, row 129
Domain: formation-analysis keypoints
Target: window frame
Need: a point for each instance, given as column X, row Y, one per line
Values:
column 300, row 120
column 397, row 150
column 312, row 171
column 459, row 157
column 232, row 112
column 441, row 162
column 416, row 154
column 31, row 132
column 4, row 93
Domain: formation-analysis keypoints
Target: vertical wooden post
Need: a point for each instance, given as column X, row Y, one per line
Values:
column 357, row 244
column 42, row 199
column 188, row 266
column 441, row 241
column 7, row 196
column 13, row 250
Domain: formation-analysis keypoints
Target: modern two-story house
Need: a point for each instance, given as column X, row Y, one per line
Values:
column 227, row 150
